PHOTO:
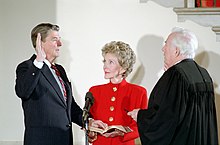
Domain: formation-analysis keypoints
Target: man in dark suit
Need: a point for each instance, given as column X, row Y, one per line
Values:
column 47, row 101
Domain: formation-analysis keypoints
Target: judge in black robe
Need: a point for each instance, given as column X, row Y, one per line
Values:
column 181, row 109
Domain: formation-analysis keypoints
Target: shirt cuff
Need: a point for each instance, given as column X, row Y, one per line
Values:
column 38, row 64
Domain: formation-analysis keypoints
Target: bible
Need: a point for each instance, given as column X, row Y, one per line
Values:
column 110, row 129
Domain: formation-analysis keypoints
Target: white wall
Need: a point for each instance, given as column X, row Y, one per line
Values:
column 17, row 18
column 86, row 25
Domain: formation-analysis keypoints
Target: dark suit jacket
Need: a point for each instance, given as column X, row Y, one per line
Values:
column 47, row 116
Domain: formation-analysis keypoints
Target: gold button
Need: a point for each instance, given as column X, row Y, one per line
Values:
column 112, row 108
column 113, row 99
column 110, row 119
column 114, row 89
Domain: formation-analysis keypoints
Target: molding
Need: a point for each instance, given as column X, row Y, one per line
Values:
column 216, row 29
column 166, row 3
column 203, row 16
column 197, row 11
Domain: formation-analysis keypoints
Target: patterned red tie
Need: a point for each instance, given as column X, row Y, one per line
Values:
column 61, row 81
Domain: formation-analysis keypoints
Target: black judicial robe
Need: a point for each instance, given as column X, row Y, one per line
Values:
column 181, row 108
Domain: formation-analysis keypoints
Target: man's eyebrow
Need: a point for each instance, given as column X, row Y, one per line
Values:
column 55, row 37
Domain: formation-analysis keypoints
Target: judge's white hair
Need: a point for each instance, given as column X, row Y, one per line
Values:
column 186, row 41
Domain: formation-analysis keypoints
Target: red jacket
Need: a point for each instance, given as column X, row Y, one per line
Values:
column 111, row 103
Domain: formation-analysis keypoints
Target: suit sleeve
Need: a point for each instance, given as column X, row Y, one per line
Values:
column 76, row 113
column 27, row 76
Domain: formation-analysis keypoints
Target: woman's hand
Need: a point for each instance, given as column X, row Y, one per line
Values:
column 92, row 136
column 97, row 123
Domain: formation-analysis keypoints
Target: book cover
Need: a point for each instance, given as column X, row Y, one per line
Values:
column 111, row 128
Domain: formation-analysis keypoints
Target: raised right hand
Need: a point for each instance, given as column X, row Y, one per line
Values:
column 41, row 55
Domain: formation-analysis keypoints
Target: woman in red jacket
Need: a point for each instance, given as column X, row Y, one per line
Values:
column 113, row 100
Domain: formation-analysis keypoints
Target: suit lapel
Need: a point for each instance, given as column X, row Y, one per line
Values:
column 50, row 78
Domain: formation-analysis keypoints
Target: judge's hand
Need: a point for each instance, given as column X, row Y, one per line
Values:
column 133, row 114
column 114, row 133
column 41, row 55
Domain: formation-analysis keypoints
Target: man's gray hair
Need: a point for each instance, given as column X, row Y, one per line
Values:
column 186, row 41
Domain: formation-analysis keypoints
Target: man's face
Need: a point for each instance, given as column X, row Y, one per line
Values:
column 169, row 51
column 51, row 45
